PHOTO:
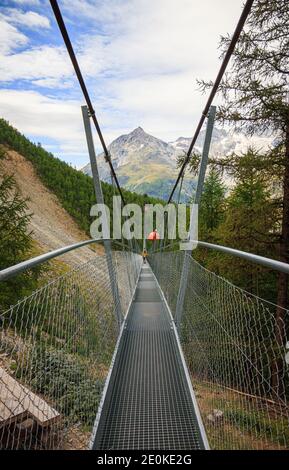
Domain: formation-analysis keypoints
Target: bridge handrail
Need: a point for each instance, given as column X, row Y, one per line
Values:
column 267, row 262
column 12, row 271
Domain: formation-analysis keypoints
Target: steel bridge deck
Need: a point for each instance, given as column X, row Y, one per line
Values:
column 148, row 403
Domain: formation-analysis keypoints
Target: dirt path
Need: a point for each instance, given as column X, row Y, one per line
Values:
column 52, row 226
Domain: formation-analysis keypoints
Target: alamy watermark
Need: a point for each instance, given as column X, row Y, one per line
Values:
column 131, row 221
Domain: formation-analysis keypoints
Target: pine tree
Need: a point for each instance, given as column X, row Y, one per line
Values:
column 15, row 240
column 255, row 94
column 212, row 204
column 251, row 223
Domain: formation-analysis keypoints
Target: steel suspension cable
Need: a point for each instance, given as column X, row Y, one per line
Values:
column 69, row 47
column 234, row 40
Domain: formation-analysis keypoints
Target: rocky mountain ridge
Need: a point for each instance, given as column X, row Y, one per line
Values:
column 146, row 164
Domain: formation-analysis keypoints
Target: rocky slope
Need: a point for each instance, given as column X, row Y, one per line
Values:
column 143, row 163
column 146, row 164
column 52, row 227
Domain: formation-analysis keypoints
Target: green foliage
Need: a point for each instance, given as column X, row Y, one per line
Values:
column 63, row 377
column 212, row 204
column 259, row 424
column 255, row 91
column 15, row 241
column 247, row 218
column 246, row 424
column 255, row 100
column 252, row 224
column 73, row 188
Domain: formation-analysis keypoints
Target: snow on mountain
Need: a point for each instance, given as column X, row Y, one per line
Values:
column 146, row 164
column 223, row 142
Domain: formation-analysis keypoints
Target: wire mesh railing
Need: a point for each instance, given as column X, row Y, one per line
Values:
column 238, row 368
column 55, row 351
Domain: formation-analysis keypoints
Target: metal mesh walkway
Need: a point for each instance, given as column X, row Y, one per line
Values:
column 148, row 404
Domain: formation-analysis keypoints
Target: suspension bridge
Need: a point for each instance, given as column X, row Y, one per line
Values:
column 121, row 354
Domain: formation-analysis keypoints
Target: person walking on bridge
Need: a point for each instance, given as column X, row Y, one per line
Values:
column 154, row 235
column 144, row 255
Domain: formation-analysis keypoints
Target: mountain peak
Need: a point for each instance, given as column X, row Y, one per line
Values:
column 138, row 131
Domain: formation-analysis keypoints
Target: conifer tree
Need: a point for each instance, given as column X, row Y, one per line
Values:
column 255, row 100
column 212, row 204
column 15, row 240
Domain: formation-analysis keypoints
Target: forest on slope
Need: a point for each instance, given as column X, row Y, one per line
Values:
column 255, row 215
column 247, row 217
column 74, row 191
column 73, row 188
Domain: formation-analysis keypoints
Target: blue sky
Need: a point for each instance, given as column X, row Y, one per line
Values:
column 140, row 60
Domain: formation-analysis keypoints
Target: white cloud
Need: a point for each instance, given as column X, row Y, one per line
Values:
column 146, row 36
column 52, row 83
column 153, row 52
column 30, row 19
column 27, row 2
column 140, row 38
column 166, row 106
column 10, row 37
column 59, row 120
column 36, row 63
column 142, row 59
column 96, row 10
column 41, row 115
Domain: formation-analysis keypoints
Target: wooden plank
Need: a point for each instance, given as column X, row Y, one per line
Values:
column 17, row 402
column 10, row 410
